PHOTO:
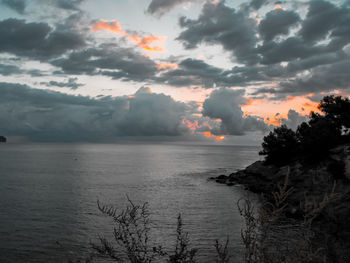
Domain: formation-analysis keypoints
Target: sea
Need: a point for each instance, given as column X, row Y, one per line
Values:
column 49, row 194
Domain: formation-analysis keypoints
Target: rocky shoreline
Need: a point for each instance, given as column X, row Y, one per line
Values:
column 309, row 182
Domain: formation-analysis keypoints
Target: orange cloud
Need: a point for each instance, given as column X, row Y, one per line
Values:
column 168, row 65
column 250, row 102
column 268, row 109
column 210, row 135
column 113, row 26
column 147, row 43
column 191, row 125
column 150, row 43
column 311, row 106
column 279, row 7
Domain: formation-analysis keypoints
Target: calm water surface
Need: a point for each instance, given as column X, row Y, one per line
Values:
column 48, row 195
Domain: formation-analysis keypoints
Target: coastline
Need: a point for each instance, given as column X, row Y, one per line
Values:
column 311, row 184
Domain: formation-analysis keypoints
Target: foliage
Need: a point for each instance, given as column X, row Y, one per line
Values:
column 132, row 241
column 183, row 253
column 270, row 236
column 319, row 135
column 337, row 109
column 314, row 138
column 280, row 145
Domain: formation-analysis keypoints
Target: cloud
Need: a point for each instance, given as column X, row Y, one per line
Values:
column 17, row 5
column 257, row 4
column 194, row 72
column 68, row 4
column 288, row 50
column 43, row 115
column 277, row 22
column 7, row 70
column 277, row 55
column 167, row 65
column 225, row 104
column 322, row 17
column 160, row 7
column 110, row 60
column 293, row 120
column 71, row 83
column 147, row 43
column 220, row 24
column 37, row 40
column 323, row 78
column 113, row 26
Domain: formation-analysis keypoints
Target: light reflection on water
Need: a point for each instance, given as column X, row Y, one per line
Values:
column 48, row 195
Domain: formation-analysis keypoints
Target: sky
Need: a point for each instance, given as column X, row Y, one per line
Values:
column 190, row 70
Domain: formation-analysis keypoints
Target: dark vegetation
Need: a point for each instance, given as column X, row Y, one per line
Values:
column 3, row 139
column 132, row 241
column 313, row 139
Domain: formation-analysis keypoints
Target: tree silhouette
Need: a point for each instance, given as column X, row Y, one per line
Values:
column 313, row 138
column 318, row 135
column 280, row 146
column 338, row 110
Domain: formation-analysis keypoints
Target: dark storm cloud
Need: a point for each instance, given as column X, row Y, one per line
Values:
column 321, row 40
column 17, row 5
column 225, row 104
column 44, row 115
column 288, row 50
column 220, row 24
column 70, row 83
column 257, row 4
column 109, row 60
column 277, row 22
column 7, row 70
column 68, row 4
column 160, row 7
column 322, row 78
column 322, row 17
column 194, row 72
column 37, row 40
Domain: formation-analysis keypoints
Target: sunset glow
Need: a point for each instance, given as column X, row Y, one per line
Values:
column 168, row 66
column 268, row 109
column 148, row 43
column 212, row 136
column 113, row 26
column 109, row 55
column 191, row 125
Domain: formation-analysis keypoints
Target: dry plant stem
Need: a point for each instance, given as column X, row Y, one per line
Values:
column 131, row 233
column 250, row 234
column 222, row 251
column 312, row 208
column 132, row 238
column 182, row 253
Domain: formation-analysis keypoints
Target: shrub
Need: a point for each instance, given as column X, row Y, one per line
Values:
column 318, row 135
column 280, row 146
column 338, row 110
column 132, row 242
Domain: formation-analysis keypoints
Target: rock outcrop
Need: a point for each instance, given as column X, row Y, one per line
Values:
column 310, row 181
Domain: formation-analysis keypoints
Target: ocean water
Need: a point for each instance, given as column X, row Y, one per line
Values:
column 48, row 195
